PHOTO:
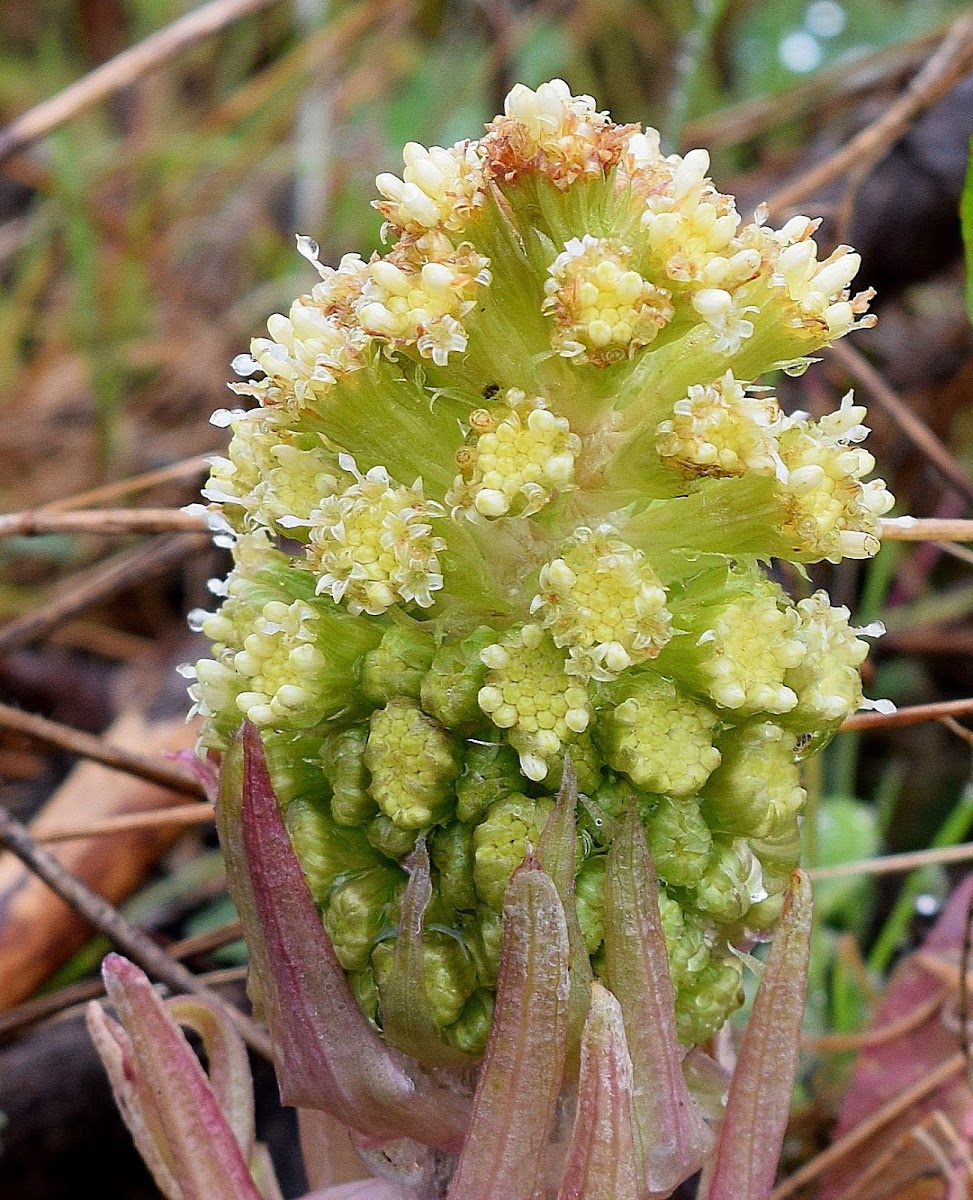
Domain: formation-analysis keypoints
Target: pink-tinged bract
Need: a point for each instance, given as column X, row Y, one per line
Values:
column 513, row 1112
column 752, row 1132
column 673, row 1138
column 327, row 1054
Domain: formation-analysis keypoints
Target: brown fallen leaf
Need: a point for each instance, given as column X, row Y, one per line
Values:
column 922, row 1151
column 38, row 931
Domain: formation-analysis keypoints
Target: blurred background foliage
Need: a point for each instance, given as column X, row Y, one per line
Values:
column 146, row 239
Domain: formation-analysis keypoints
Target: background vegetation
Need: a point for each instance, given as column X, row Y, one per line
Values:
column 146, row 236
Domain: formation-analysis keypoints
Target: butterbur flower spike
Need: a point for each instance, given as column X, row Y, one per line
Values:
column 614, row 1132
column 501, row 517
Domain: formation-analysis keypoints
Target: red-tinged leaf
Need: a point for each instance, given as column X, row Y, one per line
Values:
column 228, row 1067
column 406, row 1017
column 229, row 826
column 925, row 1045
column 601, row 1161
column 133, row 1098
column 513, row 1111
column 177, row 1107
column 327, row 1054
column 753, row 1129
column 557, row 853
column 673, row 1138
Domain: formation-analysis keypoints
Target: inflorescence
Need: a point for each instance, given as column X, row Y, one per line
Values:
column 508, row 495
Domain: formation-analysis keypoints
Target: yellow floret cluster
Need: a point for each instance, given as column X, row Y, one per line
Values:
column 661, row 739
column 832, row 512
column 552, row 132
column 529, row 693
column 746, row 673
column 602, row 601
column 439, row 188
column 419, row 296
column 516, row 459
column 602, row 308
column 412, row 763
column 372, row 545
column 720, row 429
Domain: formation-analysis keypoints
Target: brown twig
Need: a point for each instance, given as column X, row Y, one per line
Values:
column 839, row 85
column 120, row 932
column 950, row 62
column 933, row 641
column 868, row 1128
column 960, row 730
column 98, row 582
column 49, row 519
column 36, row 521
column 203, row 943
column 838, row 1043
column 184, row 469
column 921, row 436
column 39, row 1007
column 86, row 745
column 894, row 864
column 181, row 814
column 957, row 552
column 927, row 529
column 161, row 520
column 124, row 69
column 104, row 640
column 913, row 715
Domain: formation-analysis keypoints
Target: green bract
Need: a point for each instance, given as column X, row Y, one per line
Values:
column 508, row 495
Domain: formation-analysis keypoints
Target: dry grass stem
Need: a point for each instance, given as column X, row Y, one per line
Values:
column 960, row 730
column 186, row 468
column 99, row 582
column 121, row 933
column 203, row 943
column 38, row 1008
column 927, row 529
column 838, row 1043
column 915, row 714
column 182, row 814
column 893, row 864
column 921, row 436
column 65, row 519
column 124, row 69
column 99, row 520
column 102, row 639
column 86, row 745
column 944, row 69
column 223, row 975
column 868, row 1128
column 827, row 90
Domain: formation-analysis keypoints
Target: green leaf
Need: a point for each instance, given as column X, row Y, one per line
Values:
column 846, row 832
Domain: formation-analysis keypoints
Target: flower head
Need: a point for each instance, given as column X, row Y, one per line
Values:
column 501, row 520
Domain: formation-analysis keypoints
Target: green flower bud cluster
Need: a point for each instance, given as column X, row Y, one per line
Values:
column 506, row 497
